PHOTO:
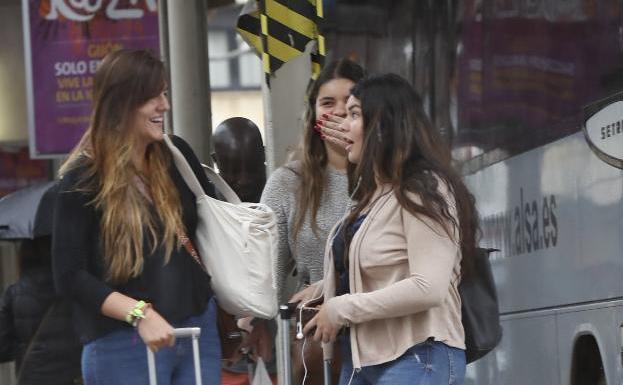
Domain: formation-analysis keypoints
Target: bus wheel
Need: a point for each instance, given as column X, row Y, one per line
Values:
column 587, row 367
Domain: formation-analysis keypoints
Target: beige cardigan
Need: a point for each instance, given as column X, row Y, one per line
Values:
column 404, row 273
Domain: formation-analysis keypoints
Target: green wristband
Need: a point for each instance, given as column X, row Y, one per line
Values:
column 137, row 313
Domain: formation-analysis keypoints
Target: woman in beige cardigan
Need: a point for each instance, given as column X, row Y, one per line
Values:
column 393, row 264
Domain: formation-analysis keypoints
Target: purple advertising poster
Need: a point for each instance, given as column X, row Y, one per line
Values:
column 64, row 42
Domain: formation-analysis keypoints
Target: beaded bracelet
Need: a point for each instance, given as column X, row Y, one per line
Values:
column 137, row 313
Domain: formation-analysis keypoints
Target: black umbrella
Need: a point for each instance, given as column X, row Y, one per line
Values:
column 27, row 213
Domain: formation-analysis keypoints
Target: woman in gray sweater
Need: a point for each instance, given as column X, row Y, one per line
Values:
column 310, row 194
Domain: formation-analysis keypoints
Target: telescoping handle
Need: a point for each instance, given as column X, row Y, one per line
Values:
column 193, row 333
column 285, row 314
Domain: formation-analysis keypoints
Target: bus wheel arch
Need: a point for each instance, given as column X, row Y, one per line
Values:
column 587, row 364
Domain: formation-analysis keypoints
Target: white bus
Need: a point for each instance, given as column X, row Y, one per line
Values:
column 556, row 213
column 530, row 74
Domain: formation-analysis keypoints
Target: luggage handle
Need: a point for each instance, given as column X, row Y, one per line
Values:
column 285, row 314
column 187, row 332
column 193, row 333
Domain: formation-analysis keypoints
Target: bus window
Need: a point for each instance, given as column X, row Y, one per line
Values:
column 525, row 69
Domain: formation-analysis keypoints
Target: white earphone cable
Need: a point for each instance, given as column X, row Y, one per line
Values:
column 352, row 375
column 303, row 359
column 299, row 323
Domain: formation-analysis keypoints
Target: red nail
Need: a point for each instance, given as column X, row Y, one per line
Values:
column 325, row 116
column 322, row 136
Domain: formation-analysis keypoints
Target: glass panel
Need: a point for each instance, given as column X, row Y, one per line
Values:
column 220, row 76
column 250, row 68
column 526, row 68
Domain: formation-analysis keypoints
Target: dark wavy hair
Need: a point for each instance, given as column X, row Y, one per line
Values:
column 402, row 148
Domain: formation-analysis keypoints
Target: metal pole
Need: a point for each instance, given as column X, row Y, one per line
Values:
column 163, row 27
column 286, row 102
column 190, row 81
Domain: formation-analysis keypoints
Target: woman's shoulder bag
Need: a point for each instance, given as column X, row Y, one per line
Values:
column 479, row 308
column 237, row 243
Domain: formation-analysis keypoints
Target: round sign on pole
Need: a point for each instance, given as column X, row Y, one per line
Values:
column 603, row 129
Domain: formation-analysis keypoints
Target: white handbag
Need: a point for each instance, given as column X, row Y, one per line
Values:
column 237, row 243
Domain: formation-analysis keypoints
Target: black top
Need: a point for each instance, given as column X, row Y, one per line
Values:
column 339, row 246
column 177, row 290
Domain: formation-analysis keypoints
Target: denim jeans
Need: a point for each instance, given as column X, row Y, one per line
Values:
column 120, row 357
column 428, row 363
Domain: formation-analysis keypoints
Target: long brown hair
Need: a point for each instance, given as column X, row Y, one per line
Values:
column 402, row 148
column 312, row 152
column 126, row 80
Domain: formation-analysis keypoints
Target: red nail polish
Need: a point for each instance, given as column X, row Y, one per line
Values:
column 325, row 116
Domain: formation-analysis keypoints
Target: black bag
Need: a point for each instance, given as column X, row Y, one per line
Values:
column 479, row 308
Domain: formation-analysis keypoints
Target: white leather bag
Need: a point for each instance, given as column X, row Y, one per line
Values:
column 237, row 243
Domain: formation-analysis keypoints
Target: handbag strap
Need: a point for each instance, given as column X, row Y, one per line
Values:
column 183, row 238
column 191, row 179
column 228, row 193
column 190, row 248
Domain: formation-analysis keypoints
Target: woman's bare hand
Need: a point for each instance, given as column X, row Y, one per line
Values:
column 325, row 330
column 304, row 295
column 330, row 126
column 155, row 331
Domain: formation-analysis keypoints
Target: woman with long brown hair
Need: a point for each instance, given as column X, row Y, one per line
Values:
column 310, row 193
column 121, row 215
column 394, row 263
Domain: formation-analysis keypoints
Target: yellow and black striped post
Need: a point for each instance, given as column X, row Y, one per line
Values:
column 248, row 25
column 317, row 57
column 285, row 29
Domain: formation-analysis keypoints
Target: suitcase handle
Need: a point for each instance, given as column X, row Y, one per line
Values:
column 187, row 332
column 193, row 333
column 285, row 314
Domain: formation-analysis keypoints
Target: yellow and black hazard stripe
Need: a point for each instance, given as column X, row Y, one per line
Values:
column 249, row 28
column 281, row 29
column 287, row 27
column 318, row 56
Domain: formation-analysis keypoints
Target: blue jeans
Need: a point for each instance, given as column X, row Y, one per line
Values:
column 428, row 363
column 120, row 357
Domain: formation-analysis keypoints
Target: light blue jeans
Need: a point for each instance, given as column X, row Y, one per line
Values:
column 120, row 357
column 428, row 363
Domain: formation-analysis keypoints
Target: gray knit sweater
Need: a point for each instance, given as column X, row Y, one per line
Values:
column 308, row 251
